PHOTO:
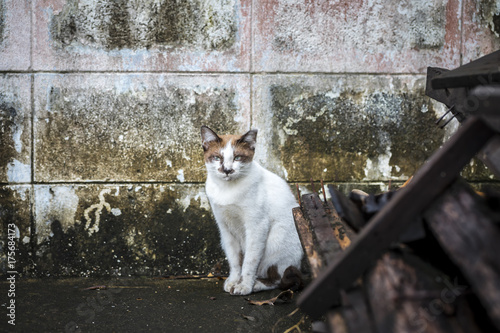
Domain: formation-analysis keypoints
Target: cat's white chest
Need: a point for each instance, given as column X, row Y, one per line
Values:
column 237, row 196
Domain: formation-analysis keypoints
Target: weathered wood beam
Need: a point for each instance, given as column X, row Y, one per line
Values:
column 342, row 231
column 386, row 227
column 356, row 312
column 463, row 226
column 405, row 297
column 322, row 230
column 306, row 239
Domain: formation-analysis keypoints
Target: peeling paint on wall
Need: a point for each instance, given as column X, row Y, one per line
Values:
column 116, row 25
column 351, row 128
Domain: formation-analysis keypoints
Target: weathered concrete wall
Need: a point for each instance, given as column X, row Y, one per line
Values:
column 101, row 102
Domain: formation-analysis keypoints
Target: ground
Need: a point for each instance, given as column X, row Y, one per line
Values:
column 144, row 305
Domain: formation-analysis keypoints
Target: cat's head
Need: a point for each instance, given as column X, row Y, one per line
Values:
column 228, row 157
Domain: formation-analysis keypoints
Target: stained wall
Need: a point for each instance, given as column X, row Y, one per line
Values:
column 101, row 102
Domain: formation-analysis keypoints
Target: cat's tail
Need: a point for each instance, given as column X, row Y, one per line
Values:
column 292, row 279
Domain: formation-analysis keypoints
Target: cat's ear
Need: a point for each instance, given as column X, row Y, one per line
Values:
column 207, row 136
column 249, row 138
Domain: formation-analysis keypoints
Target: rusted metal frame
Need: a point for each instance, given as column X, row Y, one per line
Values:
column 387, row 226
column 482, row 101
column 484, row 70
column 463, row 226
column 454, row 98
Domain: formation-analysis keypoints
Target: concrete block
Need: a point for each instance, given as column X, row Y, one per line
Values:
column 136, row 127
column 15, row 128
column 139, row 229
column 345, row 127
column 15, row 45
column 481, row 29
column 356, row 36
column 15, row 229
column 137, row 35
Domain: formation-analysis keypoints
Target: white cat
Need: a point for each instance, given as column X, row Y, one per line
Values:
column 253, row 209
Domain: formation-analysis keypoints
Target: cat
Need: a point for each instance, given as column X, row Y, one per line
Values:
column 253, row 210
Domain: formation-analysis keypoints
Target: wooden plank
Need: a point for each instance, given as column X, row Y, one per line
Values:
column 462, row 224
column 408, row 298
column 314, row 211
column 342, row 231
column 355, row 311
column 386, row 227
column 306, row 239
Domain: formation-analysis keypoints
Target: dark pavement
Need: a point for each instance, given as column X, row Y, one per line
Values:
column 142, row 305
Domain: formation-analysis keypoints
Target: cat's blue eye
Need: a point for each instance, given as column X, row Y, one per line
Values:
column 216, row 158
column 237, row 158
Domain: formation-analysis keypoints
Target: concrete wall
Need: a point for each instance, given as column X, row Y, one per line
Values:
column 101, row 102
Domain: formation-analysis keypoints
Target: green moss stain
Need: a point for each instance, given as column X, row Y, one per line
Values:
column 135, row 134
column 117, row 25
column 151, row 230
column 118, row 28
column 477, row 171
column 8, row 126
column 333, row 135
column 428, row 27
column 15, row 210
column 490, row 15
column 171, row 20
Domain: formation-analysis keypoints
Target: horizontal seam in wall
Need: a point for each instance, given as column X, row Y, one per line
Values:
column 214, row 73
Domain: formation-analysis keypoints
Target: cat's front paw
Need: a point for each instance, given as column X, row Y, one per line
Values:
column 230, row 283
column 242, row 289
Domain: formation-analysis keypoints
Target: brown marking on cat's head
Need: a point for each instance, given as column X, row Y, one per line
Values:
column 227, row 153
